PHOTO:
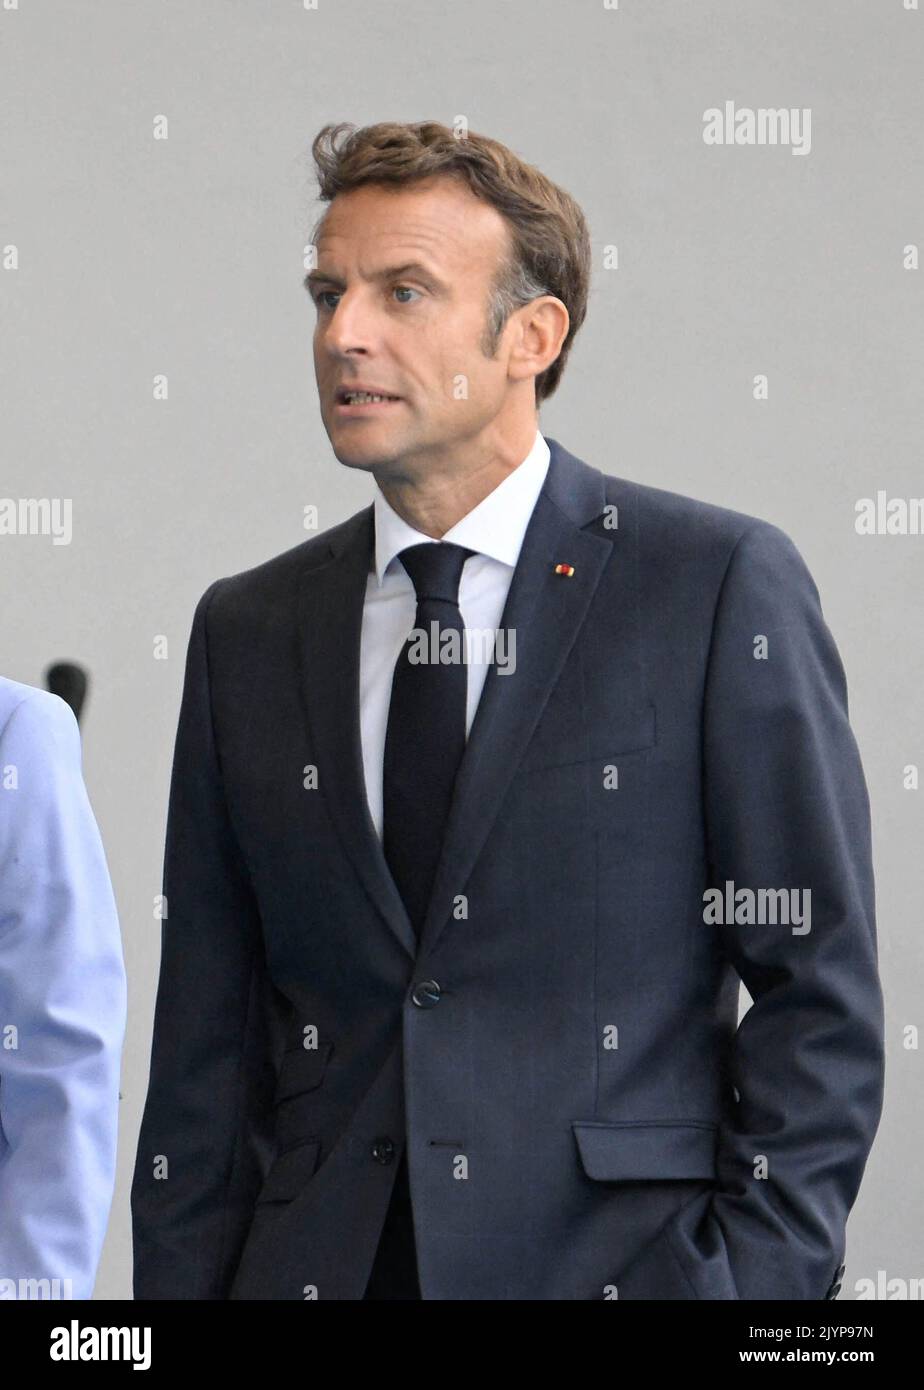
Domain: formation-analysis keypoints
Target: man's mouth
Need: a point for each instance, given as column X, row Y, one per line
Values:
column 345, row 397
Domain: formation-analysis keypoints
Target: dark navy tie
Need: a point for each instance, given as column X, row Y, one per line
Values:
column 425, row 736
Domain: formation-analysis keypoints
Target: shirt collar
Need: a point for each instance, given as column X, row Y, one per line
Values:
column 495, row 527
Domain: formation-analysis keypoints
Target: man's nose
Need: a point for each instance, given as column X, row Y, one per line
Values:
column 350, row 325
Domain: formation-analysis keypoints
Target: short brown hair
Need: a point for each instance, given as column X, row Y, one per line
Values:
column 550, row 244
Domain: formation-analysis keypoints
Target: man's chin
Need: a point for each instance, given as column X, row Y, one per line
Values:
column 365, row 464
column 364, row 448
column 355, row 453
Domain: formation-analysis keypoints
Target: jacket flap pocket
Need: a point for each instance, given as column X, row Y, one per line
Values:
column 629, row 731
column 292, row 1170
column 651, row 1149
column 302, row 1069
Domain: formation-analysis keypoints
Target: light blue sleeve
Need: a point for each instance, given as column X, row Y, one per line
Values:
column 62, row 1009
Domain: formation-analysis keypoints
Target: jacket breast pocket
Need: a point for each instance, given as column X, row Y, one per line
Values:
column 557, row 743
column 647, row 1150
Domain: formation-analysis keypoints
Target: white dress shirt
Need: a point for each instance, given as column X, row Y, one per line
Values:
column 494, row 530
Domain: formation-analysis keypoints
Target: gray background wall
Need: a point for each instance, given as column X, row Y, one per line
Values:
column 184, row 256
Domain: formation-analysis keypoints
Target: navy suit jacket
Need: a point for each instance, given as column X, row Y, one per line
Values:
column 583, row 1117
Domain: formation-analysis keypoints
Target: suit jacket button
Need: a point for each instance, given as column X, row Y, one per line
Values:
column 383, row 1149
column 426, row 994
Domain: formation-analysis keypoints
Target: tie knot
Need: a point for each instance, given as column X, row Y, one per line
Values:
column 435, row 568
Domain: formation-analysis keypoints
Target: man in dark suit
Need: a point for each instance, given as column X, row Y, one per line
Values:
column 449, row 982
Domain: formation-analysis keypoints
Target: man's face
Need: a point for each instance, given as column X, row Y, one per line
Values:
column 401, row 291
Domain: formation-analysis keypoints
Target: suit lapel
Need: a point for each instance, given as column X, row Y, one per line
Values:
column 330, row 610
column 543, row 609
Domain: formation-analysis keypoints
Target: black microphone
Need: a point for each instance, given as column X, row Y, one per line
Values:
column 69, row 682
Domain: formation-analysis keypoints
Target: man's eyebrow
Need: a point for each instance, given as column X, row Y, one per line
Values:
column 319, row 277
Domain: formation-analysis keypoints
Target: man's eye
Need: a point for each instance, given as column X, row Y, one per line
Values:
column 323, row 296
